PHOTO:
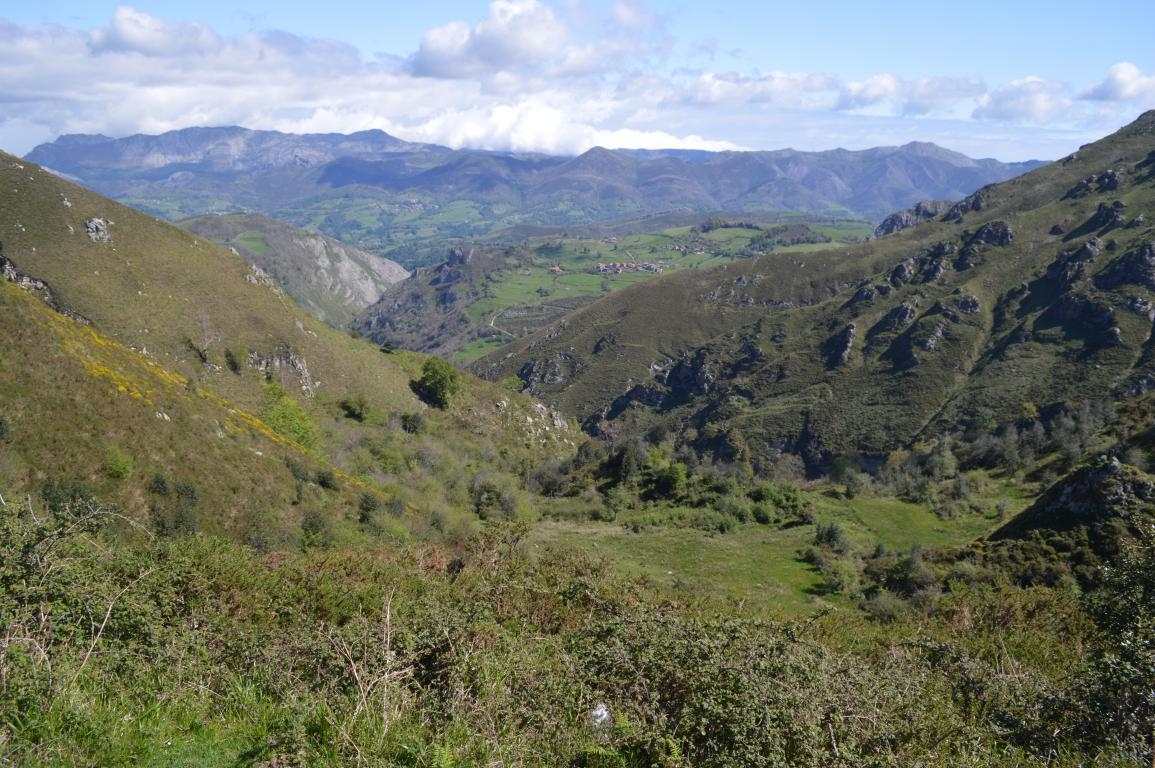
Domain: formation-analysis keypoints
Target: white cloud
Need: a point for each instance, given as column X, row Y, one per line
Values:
column 783, row 88
column 1030, row 100
column 136, row 31
column 528, row 77
column 873, row 90
column 928, row 95
column 635, row 15
column 887, row 94
column 534, row 125
column 517, row 34
column 1125, row 82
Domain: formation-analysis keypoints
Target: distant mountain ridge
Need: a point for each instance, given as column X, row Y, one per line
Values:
column 394, row 192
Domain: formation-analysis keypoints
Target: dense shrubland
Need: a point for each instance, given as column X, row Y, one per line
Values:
column 121, row 648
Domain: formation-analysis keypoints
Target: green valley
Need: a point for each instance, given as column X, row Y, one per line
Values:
column 736, row 489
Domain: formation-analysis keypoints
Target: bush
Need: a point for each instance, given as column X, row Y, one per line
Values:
column 367, row 508
column 884, row 606
column 493, row 495
column 355, row 408
column 285, row 416
column 316, row 531
column 5, row 434
column 117, row 464
column 439, row 382
column 412, row 423
column 327, row 479
column 832, row 537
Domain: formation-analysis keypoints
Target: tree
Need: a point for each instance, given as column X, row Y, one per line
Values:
column 439, row 382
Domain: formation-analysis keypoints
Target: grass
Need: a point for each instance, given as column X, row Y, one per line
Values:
column 763, row 330
column 254, row 241
column 519, row 288
column 151, row 376
column 754, row 566
column 760, row 567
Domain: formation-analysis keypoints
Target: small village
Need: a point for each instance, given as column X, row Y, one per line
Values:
column 618, row 267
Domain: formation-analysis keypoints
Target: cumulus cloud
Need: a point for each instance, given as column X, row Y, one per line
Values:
column 783, row 88
column 527, row 77
column 1125, row 82
column 517, row 34
column 922, row 96
column 873, row 90
column 1030, row 100
column 139, row 32
column 928, row 95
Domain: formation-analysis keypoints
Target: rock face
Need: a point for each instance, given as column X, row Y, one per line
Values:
column 554, row 370
column 284, row 359
column 896, row 319
column 905, row 219
column 1106, row 217
column 1135, row 267
column 331, row 279
column 969, row 305
column 1070, row 267
column 38, row 288
column 994, row 233
column 974, row 202
column 97, row 230
column 839, row 347
column 691, row 377
column 1091, row 496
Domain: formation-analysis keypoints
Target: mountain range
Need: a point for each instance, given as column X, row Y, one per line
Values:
column 1023, row 297
column 389, row 196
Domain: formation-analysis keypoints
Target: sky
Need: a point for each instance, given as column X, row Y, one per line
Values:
column 1013, row 79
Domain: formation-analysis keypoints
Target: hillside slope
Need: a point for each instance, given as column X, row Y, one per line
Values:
column 331, row 279
column 148, row 350
column 1024, row 295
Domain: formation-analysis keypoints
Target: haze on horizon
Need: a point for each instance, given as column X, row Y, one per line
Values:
column 990, row 80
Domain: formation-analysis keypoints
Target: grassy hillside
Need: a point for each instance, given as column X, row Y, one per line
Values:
column 481, row 298
column 183, row 364
column 1023, row 296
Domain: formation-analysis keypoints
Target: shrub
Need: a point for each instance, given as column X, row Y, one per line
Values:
column 884, row 606
column 5, row 434
column 355, row 408
column 326, row 479
column 117, row 464
column 412, row 423
column 439, row 382
column 297, row 469
column 316, row 530
column 158, row 485
column 367, row 508
column 232, row 362
column 59, row 496
column 285, row 416
column 492, row 495
column 831, row 536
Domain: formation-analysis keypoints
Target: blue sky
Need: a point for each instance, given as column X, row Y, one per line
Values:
column 1011, row 80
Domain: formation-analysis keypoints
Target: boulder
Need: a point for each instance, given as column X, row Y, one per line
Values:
column 97, row 230
column 1135, row 267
